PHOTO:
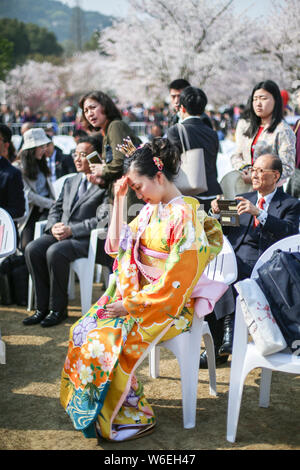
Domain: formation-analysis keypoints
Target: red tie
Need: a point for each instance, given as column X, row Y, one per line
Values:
column 260, row 205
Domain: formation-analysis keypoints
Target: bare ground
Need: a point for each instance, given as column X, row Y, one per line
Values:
column 31, row 417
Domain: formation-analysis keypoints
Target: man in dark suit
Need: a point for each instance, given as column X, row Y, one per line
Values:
column 12, row 197
column 70, row 221
column 175, row 89
column 58, row 163
column 266, row 215
column 192, row 104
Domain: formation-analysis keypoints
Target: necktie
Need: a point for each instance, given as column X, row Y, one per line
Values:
column 81, row 190
column 260, row 205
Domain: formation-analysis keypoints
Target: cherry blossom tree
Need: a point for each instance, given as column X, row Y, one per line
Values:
column 160, row 40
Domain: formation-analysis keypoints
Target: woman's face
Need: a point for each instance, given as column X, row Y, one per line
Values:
column 40, row 151
column 94, row 113
column 263, row 103
column 145, row 188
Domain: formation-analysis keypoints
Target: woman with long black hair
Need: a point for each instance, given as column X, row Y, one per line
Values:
column 37, row 185
column 266, row 132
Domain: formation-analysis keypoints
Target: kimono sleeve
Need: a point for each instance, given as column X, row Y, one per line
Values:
column 188, row 257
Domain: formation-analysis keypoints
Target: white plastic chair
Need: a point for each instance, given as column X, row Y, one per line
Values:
column 8, row 237
column 58, row 184
column 246, row 357
column 8, row 245
column 83, row 267
column 187, row 346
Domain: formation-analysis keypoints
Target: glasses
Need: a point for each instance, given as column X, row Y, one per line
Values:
column 80, row 155
column 259, row 171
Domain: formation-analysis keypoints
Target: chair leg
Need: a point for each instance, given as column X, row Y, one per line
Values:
column 265, row 387
column 30, row 294
column 211, row 362
column 71, row 286
column 154, row 358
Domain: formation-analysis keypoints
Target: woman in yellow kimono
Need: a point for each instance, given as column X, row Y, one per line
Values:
column 159, row 258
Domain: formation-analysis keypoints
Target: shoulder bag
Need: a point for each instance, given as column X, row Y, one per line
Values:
column 191, row 178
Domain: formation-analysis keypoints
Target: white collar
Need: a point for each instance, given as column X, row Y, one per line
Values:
column 268, row 197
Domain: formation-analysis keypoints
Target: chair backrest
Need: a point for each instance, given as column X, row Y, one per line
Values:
column 8, row 238
column 58, row 184
column 291, row 243
column 224, row 266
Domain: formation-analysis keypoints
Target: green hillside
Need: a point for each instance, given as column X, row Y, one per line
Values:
column 53, row 15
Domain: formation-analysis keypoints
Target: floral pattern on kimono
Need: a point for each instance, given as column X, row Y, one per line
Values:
column 98, row 382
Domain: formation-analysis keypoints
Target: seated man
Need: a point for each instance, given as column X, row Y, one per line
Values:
column 70, row 222
column 267, row 215
column 12, row 197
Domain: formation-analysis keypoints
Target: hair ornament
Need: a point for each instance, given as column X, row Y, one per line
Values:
column 158, row 163
column 127, row 148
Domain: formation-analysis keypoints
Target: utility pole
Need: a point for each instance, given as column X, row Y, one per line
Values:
column 77, row 25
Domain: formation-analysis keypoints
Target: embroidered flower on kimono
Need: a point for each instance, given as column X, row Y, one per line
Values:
column 96, row 348
column 147, row 411
column 103, row 300
column 190, row 237
column 86, row 374
column 135, row 415
column 176, row 284
column 125, row 238
column 130, row 271
column 181, row 323
column 203, row 238
column 131, row 399
column 81, row 330
column 102, row 314
column 107, row 361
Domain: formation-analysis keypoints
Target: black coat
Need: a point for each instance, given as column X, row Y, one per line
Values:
column 64, row 164
column 201, row 136
column 11, row 189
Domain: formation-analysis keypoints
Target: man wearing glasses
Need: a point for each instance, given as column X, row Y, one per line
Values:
column 70, row 221
column 266, row 215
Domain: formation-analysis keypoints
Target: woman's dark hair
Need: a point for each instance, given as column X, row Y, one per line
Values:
column 142, row 160
column 110, row 109
column 31, row 165
column 277, row 114
column 194, row 100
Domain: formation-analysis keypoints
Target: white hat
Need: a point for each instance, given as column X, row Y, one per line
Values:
column 34, row 138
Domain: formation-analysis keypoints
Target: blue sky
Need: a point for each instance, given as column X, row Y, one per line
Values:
column 119, row 7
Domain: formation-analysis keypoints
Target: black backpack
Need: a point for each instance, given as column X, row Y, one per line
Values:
column 279, row 278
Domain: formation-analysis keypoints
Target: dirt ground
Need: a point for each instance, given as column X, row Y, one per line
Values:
column 31, row 417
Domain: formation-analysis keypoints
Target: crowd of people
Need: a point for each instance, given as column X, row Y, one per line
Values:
column 159, row 241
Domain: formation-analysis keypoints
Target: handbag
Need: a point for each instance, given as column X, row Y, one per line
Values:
column 261, row 324
column 279, row 278
column 191, row 178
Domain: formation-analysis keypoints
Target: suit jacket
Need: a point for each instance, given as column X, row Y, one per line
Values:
column 64, row 164
column 201, row 136
column 282, row 221
column 11, row 189
column 85, row 214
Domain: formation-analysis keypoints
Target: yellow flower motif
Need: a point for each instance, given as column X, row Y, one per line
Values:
column 181, row 323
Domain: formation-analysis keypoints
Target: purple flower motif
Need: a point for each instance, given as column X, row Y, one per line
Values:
column 81, row 330
column 125, row 238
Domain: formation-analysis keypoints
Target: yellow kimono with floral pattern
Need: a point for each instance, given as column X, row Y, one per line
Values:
column 162, row 254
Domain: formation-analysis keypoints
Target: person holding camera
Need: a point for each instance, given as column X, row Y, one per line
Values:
column 266, row 215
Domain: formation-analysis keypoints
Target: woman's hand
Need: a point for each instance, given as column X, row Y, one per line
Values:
column 96, row 168
column 95, row 179
column 121, row 187
column 116, row 309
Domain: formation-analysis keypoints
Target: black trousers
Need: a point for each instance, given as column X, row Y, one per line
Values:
column 48, row 262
